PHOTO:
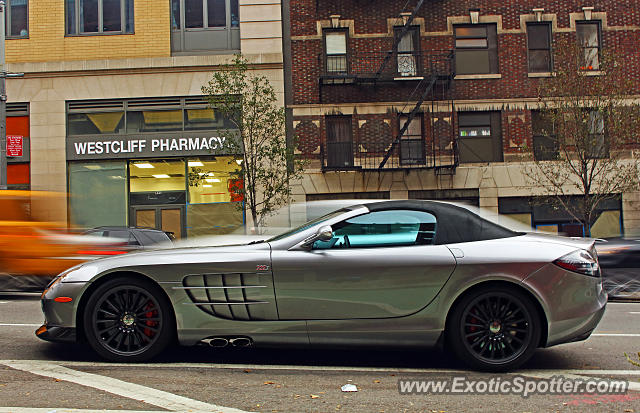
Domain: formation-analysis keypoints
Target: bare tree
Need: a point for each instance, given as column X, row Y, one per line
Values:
column 268, row 165
column 588, row 129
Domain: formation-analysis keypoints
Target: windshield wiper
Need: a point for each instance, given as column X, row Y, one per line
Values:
column 256, row 242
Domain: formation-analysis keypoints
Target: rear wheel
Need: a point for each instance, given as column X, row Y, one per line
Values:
column 128, row 320
column 494, row 329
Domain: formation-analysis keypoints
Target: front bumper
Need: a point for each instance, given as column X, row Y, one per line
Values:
column 60, row 317
column 56, row 333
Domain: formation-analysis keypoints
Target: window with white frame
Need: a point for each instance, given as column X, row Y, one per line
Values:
column 99, row 17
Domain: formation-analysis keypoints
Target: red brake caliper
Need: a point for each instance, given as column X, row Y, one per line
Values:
column 150, row 314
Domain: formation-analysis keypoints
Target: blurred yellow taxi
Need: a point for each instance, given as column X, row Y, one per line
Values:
column 35, row 247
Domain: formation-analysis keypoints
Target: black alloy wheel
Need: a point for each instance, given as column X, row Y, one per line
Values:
column 128, row 320
column 495, row 329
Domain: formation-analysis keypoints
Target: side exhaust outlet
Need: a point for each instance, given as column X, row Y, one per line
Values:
column 216, row 342
column 240, row 342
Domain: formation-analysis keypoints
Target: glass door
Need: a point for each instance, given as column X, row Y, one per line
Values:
column 165, row 218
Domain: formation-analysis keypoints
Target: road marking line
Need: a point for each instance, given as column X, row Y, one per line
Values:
column 133, row 391
column 614, row 335
column 315, row 368
column 630, row 312
column 4, row 302
column 19, row 325
column 58, row 410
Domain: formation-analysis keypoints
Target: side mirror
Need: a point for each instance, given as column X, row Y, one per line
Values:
column 324, row 233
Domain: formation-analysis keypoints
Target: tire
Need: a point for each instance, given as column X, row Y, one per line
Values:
column 494, row 329
column 128, row 320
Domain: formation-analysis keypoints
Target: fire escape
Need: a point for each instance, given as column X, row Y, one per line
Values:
column 425, row 76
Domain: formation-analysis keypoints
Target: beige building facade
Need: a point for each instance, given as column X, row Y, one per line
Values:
column 91, row 94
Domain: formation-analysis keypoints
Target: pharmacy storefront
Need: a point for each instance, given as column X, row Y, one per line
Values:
column 164, row 163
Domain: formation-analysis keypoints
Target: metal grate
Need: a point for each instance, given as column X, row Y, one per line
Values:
column 15, row 109
column 230, row 296
column 83, row 105
column 152, row 102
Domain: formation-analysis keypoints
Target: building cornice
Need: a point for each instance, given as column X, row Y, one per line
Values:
column 141, row 65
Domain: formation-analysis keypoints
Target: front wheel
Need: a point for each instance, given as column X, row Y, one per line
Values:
column 128, row 320
column 494, row 329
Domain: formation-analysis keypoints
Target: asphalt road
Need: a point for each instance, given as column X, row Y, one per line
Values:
column 36, row 376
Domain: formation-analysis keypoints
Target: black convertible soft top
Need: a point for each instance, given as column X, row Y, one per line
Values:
column 454, row 224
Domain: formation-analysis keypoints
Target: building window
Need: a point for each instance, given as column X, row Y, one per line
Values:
column 136, row 116
column 335, row 47
column 588, row 34
column 204, row 25
column 98, row 186
column 339, row 141
column 408, row 57
column 16, row 18
column 596, row 145
column 545, row 143
column 539, row 47
column 480, row 137
column 476, row 49
column 546, row 214
column 99, row 16
column 412, row 141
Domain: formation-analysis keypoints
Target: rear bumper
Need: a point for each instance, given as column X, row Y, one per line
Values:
column 573, row 303
column 586, row 329
column 56, row 334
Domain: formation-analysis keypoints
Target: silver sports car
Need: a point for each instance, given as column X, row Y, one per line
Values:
column 393, row 273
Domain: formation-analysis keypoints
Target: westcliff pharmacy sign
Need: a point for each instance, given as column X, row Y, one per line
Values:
column 80, row 148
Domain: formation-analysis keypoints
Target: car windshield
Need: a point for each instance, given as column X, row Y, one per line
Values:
column 309, row 224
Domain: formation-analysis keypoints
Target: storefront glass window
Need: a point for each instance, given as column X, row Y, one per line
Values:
column 213, row 207
column 98, row 193
column 96, row 123
column 154, row 121
column 210, row 180
column 607, row 225
column 156, row 175
column 214, row 219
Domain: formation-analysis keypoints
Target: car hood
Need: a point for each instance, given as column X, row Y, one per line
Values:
column 135, row 261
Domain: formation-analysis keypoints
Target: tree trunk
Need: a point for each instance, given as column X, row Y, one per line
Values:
column 254, row 217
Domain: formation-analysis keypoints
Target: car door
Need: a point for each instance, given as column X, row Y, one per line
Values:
column 377, row 265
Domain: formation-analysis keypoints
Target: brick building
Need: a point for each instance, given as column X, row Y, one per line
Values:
column 110, row 107
column 471, row 72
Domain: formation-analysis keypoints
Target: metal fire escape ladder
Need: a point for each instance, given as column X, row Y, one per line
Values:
column 427, row 90
column 397, row 39
column 431, row 83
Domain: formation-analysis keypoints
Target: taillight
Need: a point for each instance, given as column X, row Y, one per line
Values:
column 580, row 261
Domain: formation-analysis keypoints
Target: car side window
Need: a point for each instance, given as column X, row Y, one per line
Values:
column 383, row 229
column 133, row 240
column 120, row 234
